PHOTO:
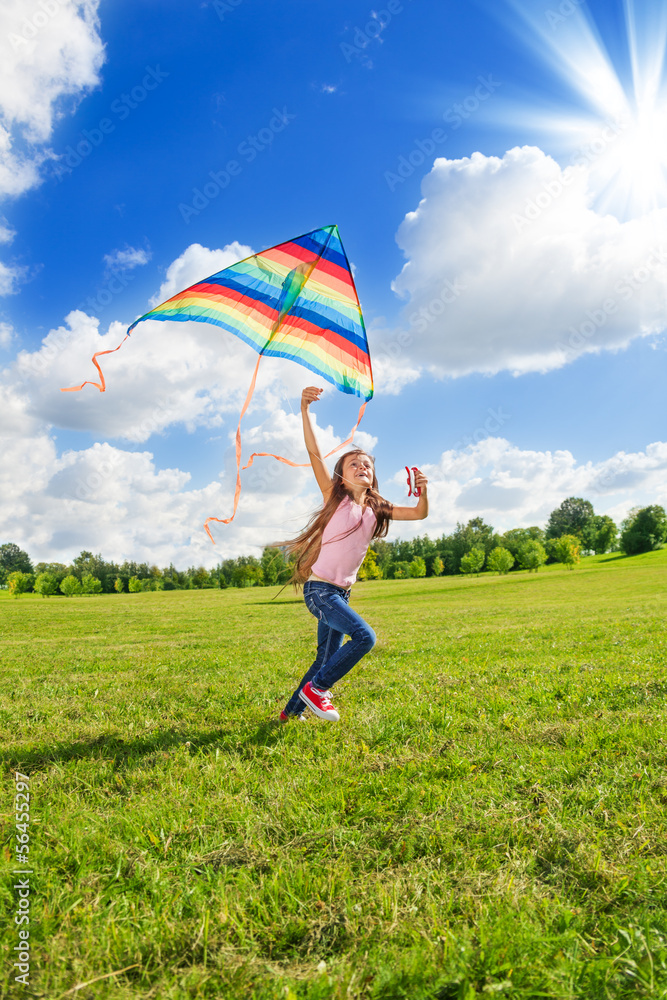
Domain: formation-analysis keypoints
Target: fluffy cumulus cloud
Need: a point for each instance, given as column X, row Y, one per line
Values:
column 49, row 50
column 509, row 268
column 195, row 263
column 113, row 497
column 117, row 501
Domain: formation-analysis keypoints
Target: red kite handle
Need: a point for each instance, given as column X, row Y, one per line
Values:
column 413, row 490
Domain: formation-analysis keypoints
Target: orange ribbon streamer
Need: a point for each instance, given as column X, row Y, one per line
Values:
column 101, row 385
column 266, row 454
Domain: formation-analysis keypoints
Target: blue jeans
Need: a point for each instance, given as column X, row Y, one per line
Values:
column 335, row 620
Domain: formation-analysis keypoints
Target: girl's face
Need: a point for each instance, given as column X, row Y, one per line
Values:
column 358, row 471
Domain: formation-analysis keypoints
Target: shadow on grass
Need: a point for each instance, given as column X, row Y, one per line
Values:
column 131, row 753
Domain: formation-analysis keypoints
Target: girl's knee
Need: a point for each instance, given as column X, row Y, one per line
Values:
column 368, row 638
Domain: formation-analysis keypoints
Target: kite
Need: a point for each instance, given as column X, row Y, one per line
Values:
column 296, row 300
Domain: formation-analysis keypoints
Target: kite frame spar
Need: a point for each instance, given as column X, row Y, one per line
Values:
column 266, row 300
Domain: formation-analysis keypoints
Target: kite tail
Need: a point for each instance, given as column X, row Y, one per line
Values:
column 101, row 385
column 267, row 454
column 237, row 491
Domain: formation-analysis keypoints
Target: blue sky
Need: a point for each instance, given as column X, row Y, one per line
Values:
column 497, row 173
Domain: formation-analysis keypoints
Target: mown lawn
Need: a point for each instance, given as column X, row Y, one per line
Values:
column 487, row 819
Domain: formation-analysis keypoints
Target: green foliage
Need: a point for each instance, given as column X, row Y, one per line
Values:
column 46, row 584
column 119, row 585
column 70, row 586
column 532, row 555
column 400, row 570
column 436, row 566
column 369, row 569
column 602, row 534
column 571, row 518
column 19, row 582
column 57, row 570
column 274, row 567
column 417, row 567
column 644, row 529
column 12, row 560
column 90, row 584
column 134, row 585
column 473, row 561
column 566, row 550
column 515, row 539
column 500, row 560
column 476, row 534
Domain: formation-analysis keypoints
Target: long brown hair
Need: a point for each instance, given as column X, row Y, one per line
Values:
column 306, row 546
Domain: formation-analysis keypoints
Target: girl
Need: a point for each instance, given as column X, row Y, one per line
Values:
column 328, row 555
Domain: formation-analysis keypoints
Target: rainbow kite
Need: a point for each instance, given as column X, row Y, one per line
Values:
column 296, row 300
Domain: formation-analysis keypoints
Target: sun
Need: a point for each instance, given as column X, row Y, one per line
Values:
column 619, row 128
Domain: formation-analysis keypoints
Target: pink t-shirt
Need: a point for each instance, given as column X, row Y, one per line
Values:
column 341, row 554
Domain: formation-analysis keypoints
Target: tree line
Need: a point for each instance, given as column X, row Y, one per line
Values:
column 573, row 529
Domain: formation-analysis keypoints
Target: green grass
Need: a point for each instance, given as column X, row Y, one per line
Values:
column 487, row 819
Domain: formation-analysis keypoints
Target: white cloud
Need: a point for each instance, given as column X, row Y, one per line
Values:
column 9, row 278
column 511, row 488
column 7, row 234
column 6, row 335
column 48, row 49
column 194, row 264
column 125, row 260
column 116, row 501
column 510, row 269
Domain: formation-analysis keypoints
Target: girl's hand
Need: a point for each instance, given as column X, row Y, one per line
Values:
column 421, row 482
column 310, row 395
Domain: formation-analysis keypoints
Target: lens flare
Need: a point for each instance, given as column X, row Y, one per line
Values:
column 619, row 128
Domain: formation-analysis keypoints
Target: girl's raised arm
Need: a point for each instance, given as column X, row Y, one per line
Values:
column 308, row 396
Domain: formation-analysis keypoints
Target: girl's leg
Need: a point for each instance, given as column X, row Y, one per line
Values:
column 328, row 641
column 332, row 606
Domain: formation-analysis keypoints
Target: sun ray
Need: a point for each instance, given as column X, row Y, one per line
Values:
column 614, row 115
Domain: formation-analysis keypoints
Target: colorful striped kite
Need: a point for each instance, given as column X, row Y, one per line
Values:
column 296, row 300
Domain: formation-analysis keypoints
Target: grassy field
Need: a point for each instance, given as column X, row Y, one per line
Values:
column 487, row 819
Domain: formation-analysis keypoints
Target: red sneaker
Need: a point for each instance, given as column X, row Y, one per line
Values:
column 285, row 717
column 319, row 702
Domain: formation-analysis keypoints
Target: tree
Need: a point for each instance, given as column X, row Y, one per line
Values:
column 571, row 518
column 46, row 584
column 13, row 559
column 476, row 534
column 90, row 584
column 417, row 567
column 369, row 569
column 57, row 570
column 19, row 582
column 500, row 560
column 532, row 555
column 70, row 586
column 566, row 550
column 515, row 539
column 384, row 552
column 400, row 570
column 473, row 561
column 644, row 529
column 605, row 534
column 119, row 585
column 274, row 567
column 134, row 585
column 436, row 566
column 247, row 572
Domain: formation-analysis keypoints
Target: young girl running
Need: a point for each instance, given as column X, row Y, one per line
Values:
column 328, row 555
